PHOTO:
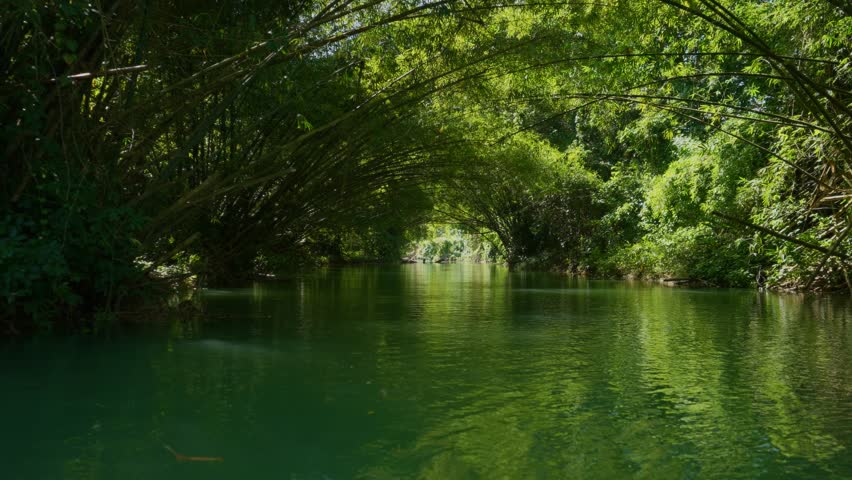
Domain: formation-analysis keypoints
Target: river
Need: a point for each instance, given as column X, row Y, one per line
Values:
column 443, row 372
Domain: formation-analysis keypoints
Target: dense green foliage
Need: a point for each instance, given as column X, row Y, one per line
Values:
column 149, row 142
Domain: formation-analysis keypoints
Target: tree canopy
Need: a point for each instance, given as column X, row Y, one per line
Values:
column 148, row 142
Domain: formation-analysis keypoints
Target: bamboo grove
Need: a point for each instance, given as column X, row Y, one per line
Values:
column 153, row 141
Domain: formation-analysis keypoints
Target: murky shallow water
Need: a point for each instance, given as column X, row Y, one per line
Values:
column 444, row 372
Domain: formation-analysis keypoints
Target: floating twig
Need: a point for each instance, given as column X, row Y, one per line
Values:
column 185, row 458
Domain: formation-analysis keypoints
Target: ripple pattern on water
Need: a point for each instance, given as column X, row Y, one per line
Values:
column 444, row 372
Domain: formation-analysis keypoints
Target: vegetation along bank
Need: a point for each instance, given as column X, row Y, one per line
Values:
column 150, row 142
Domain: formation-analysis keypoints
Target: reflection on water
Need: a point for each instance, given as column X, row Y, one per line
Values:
column 442, row 372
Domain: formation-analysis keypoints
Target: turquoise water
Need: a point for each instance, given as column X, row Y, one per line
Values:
column 443, row 372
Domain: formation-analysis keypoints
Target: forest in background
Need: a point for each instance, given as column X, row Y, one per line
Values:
column 151, row 142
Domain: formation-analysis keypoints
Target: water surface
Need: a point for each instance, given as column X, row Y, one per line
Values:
column 443, row 372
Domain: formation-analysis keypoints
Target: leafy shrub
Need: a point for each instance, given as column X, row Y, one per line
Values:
column 58, row 258
column 699, row 253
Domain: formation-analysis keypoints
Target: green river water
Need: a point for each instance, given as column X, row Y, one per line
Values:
column 443, row 372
